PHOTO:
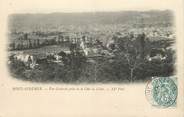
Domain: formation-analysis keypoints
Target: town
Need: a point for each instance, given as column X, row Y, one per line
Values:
column 93, row 53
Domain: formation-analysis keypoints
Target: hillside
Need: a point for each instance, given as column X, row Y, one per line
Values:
column 32, row 21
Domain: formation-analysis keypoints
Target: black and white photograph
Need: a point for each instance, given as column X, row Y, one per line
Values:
column 92, row 58
column 92, row 47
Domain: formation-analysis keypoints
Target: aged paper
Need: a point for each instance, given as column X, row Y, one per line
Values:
column 93, row 58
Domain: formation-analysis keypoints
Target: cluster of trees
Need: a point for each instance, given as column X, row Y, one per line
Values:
column 26, row 43
column 71, row 71
column 128, row 64
column 133, row 64
column 23, row 42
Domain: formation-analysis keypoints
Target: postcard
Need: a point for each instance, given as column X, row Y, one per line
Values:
column 92, row 58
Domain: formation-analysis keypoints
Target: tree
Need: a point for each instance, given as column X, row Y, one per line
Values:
column 34, row 44
column 30, row 43
column 141, row 39
column 25, row 36
column 129, row 53
column 12, row 46
column 38, row 42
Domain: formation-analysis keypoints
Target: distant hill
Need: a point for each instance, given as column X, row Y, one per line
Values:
column 24, row 21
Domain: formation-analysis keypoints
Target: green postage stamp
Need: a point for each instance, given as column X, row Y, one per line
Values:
column 162, row 91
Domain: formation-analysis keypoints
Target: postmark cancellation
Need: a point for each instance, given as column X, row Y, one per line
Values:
column 162, row 91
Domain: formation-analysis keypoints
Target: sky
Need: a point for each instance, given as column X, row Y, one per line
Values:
column 49, row 6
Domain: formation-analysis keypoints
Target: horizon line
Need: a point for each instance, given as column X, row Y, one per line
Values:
column 100, row 11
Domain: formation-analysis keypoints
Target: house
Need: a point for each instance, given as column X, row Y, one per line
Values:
column 156, row 54
column 27, row 59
